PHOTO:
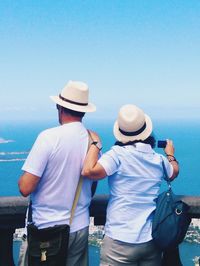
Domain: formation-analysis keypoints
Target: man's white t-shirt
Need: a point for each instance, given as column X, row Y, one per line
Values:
column 57, row 157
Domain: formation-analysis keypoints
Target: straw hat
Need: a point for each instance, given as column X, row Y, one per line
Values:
column 132, row 124
column 74, row 96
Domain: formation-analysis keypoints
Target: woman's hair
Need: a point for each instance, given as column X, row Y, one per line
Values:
column 150, row 140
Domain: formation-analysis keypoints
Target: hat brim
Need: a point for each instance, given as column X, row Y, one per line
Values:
column 142, row 136
column 90, row 107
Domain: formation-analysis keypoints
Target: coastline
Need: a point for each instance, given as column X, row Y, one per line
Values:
column 96, row 233
column 189, row 248
column 193, row 233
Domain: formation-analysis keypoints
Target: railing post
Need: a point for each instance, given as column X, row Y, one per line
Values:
column 6, row 247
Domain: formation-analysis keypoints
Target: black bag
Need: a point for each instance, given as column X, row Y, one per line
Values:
column 48, row 246
column 171, row 219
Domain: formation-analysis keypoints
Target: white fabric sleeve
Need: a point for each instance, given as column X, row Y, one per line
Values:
column 109, row 162
column 168, row 166
column 38, row 156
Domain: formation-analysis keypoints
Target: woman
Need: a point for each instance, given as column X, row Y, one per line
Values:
column 135, row 174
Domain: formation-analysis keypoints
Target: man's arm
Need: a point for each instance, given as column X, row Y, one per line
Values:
column 27, row 183
column 91, row 168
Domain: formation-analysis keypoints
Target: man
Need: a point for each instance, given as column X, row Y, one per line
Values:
column 52, row 170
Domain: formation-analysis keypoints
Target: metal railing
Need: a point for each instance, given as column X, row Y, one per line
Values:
column 13, row 211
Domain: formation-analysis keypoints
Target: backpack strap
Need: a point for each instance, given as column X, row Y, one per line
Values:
column 76, row 198
column 79, row 186
column 166, row 177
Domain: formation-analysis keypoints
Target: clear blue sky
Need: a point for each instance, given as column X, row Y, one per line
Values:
column 145, row 52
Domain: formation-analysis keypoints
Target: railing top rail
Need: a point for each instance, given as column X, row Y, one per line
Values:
column 13, row 209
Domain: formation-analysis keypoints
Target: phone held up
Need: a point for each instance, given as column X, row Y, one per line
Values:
column 161, row 143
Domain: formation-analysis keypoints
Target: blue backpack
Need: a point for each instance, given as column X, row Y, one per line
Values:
column 171, row 219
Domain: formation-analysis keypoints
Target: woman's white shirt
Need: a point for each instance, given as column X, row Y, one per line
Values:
column 135, row 174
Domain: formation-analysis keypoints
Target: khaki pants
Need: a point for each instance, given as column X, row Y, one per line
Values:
column 77, row 249
column 117, row 253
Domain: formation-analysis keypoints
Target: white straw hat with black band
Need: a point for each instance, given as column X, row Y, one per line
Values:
column 74, row 96
column 132, row 124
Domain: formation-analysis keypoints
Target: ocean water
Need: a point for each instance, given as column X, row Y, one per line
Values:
column 16, row 140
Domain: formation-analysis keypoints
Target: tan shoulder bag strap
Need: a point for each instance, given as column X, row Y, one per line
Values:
column 79, row 186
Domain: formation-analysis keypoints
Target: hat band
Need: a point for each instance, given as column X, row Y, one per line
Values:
column 69, row 101
column 133, row 133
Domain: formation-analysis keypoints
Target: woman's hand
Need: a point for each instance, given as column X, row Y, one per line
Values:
column 169, row 149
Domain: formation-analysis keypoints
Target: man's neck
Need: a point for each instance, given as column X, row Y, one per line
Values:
column 70, row 119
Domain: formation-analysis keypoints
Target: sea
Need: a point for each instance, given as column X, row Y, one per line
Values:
column 17, row 138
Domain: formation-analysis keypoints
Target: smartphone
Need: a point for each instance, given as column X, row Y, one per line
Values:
column 162, row 143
